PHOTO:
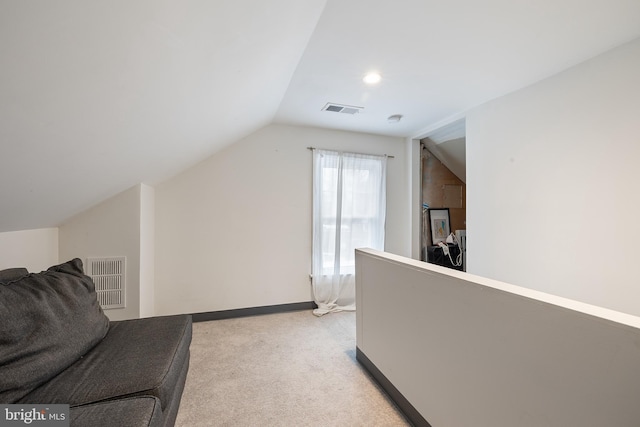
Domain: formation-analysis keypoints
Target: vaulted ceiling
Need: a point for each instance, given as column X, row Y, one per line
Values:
column 98, row 96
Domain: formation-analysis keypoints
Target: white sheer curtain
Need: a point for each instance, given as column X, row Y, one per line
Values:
column 349, row 207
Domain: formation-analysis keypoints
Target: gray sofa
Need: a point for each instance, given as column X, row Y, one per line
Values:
column 58, row 347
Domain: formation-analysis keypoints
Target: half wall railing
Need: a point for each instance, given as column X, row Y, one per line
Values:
column 457, row 350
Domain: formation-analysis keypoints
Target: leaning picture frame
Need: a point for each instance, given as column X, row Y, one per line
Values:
column 439, row 225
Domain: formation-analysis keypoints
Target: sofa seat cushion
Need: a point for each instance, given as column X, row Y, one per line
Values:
column 137, row 357
column 48, row 321
column 141, row 411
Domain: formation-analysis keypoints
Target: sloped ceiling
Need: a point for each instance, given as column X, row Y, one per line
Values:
column 97, row 96
column 449, row 145
column 451, row 153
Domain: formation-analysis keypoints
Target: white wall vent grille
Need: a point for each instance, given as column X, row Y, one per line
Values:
column 109, row 276
column 344, row 109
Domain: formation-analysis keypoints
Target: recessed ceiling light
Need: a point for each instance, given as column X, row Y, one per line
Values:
column 394, row 118
column 372, row 78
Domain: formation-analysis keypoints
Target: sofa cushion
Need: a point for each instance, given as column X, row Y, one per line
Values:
column 11, row 274
column 142, row 411
column 48, row 321
column 137, row 357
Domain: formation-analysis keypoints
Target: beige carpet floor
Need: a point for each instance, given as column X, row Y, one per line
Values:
column 286, row 369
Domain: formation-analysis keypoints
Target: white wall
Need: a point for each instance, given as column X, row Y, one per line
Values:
column 35, row 250
column 235, row 230
column 553, row 172
column 111, row 228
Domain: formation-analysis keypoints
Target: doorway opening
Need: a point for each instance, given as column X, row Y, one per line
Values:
column 443, row 195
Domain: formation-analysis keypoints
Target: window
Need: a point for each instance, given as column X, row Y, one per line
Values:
column 349, row 202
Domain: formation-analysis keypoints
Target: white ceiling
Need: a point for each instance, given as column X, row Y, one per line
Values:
column 440, row 58
column 98, row 96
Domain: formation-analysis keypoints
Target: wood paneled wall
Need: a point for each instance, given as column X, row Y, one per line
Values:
column 442, row 189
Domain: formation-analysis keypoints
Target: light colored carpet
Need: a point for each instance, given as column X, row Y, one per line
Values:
column 286, row 369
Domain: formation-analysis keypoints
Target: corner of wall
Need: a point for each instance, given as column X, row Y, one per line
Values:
column 415, row 209
column 147, row 250
column 111, row 228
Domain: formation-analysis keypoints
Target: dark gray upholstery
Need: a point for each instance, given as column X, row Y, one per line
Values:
column 141, row 411
column 11, row 274
column 48, row 321
column 57, row 346
column 171, row 409
column 137, row 357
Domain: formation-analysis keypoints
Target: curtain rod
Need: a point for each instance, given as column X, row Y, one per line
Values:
column 364, row 154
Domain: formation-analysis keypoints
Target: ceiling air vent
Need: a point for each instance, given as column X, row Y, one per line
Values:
column 344, row 109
